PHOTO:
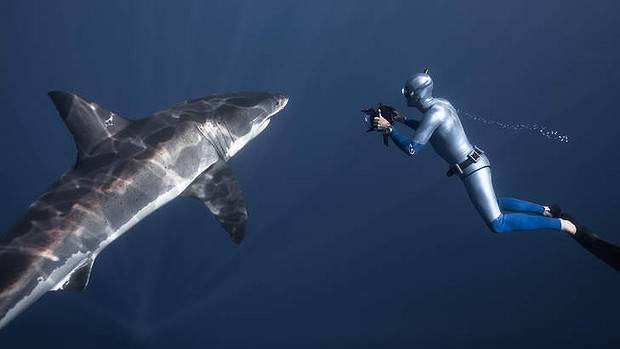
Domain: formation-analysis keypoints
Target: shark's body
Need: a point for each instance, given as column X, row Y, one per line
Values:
column 126, row 170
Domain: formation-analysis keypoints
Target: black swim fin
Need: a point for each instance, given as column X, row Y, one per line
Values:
column 604, row 250
column 556, row 211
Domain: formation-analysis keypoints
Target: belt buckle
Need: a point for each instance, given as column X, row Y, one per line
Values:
column 474, row 156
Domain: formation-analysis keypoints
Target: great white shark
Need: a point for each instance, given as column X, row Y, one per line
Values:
column 125, row 170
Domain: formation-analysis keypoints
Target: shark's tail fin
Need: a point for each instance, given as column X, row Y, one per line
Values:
column 89, row 123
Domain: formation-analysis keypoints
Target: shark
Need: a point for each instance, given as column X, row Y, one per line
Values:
column 125, row 170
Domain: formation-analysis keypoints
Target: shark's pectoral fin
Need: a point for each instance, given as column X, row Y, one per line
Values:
column 78, row 279
column 218, row 189
column 88, row 122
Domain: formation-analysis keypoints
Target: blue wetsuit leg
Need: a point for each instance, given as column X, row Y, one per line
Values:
column 517, row 205
column 509, row 222
column 479, row 186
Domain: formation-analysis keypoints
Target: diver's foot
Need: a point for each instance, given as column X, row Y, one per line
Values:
column 568, row 227
column 554, row 211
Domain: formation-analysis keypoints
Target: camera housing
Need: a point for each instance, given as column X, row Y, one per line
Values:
column 386, row 111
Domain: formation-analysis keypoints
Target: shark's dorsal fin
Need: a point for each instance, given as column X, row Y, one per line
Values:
column 89, row 123
column 218, row 189
column 78, row 279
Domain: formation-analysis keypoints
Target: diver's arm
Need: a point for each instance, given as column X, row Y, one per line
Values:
column 424, row 131
column 428, row 125
column 406, row 144
column 412, row 123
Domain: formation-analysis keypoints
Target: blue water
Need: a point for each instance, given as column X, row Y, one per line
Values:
column 350, row 244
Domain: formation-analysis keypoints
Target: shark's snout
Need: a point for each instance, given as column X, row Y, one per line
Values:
column 283, row 99
column 281, row 102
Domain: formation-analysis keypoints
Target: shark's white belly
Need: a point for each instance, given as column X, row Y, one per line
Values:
column 145, row 211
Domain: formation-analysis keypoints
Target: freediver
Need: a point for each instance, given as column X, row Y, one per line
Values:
column 441, row 126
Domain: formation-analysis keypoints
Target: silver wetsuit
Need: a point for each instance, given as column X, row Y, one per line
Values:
column 442, row 127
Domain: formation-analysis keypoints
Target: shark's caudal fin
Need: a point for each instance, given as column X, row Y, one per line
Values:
column 218, row 189
column 88, row 122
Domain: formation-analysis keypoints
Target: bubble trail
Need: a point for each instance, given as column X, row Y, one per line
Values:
column 544, row 131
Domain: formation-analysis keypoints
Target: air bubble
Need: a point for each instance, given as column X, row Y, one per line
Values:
column 544, row 131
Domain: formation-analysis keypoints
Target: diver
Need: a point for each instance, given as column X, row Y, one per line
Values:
column 441, row 126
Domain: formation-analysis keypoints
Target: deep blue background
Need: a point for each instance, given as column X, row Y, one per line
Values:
column 350, row 245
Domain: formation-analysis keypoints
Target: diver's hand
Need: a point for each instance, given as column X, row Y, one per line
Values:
column 380, row 123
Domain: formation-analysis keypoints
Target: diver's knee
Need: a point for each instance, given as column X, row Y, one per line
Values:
column 498, row 225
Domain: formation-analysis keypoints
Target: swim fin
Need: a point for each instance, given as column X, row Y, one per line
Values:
column 556, row 211
column 604, row 250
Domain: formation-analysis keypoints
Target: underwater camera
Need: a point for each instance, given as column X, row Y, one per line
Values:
column 386, row 111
